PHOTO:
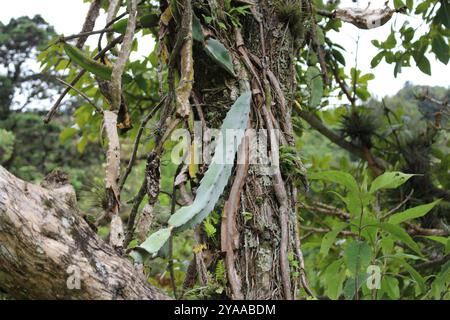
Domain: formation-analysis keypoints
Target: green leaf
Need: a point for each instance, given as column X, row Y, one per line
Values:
column 209, row 228
column 339, row 177
column 315, row 85
column 334, row 279
column 217, row 51
column 357, row 256
column 440, row 48
column 155, row 242
column 400, row 234
column 148, row 20
column 390, row 42
column 81, row 145
column 94, row 67
column 422, row 7
column 423, row 63
column 389, row 180
column 410, row 4
column 319, row 35
column 219, row 171
column 120, row 26
column 367, row 77
column 415, row 275
column 390, row 286
column 398, row 4
column 441, row 240
column 377, row 59
column 66, row 134
column 329, row 238
column 216, row 177
column 338, row 56
column 349, row 287
column 412, row 213
column 442, row 15
column 440, row 282
column 197, row 32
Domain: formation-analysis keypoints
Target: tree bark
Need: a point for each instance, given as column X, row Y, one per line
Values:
column 45, row 244
column 256, row 257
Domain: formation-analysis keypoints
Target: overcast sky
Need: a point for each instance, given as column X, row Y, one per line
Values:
column 67, row 17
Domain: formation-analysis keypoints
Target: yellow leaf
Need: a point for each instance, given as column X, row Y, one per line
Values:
column 199, row 248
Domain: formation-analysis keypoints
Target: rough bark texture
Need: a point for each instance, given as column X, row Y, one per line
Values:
column 45, row 242
column 260, row 255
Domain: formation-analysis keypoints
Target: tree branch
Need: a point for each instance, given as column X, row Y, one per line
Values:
column 45, row 245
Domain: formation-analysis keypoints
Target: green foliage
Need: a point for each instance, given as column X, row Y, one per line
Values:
column 375, row 232
column 357, row 256
column 217, row 51
column 413, row 43
column 20, row 40
column 78, row 56
column 6, row 145
column 214, row 180
column 412, row 213
column 315, row 85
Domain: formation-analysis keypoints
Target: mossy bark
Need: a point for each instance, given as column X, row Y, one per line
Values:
column 260, row 257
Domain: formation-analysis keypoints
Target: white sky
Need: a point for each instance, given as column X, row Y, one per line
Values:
column 67, row 17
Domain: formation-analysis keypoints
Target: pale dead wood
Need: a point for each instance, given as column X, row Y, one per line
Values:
column 112, row 177
column 124, row 54
column 183, row 90
column 229, row 234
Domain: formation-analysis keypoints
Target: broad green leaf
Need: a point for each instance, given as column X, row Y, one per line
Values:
column 440, row 48
column 319, row 35
column 400, row 234
column 377, row 59
column 398, row 4
column 441, row 240
column 390, row 41
column 219, row 171
column 390, row 286
column 338, row 56
column 96, row 68
column 82, row 143
column 339, row 177
column 154, row 243
column 367, row 77
column 415, row 275
column 412, row 213
column 217, row 51
column 315, row 85
column 423, row 63
column 357, row 256
column 334, row 279
column 422, row 7
column 215, row 179
column 410, row 4
column 149, row 20
column 66, row 134
column 440, row 282
column 197, row 32
column 330, row 237
column 442, row 15
column 120, row 26
column 349, row 287
column 353, row 202
column 389, row 180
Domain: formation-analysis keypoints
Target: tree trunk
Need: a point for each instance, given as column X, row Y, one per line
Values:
column 48, row 251
column 256, row 250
